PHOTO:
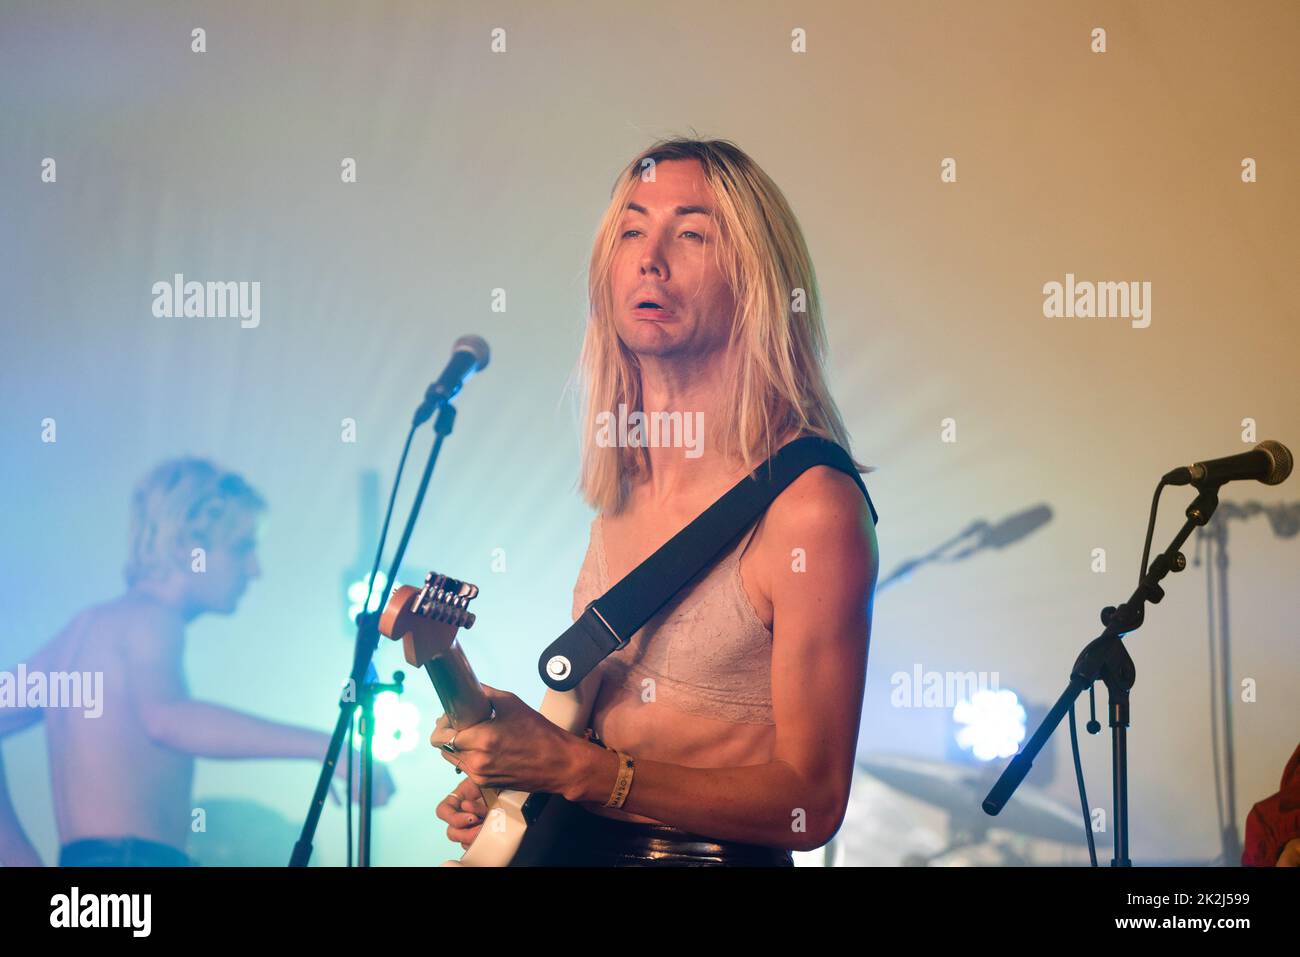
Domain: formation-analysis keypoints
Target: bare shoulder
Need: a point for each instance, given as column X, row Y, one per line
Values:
column 822, row 499
column 824, row 512
column 135, row 626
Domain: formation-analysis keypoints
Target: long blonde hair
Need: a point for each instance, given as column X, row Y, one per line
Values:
column 781, row 385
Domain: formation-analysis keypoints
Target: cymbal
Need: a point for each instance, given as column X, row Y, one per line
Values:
column 960, row 790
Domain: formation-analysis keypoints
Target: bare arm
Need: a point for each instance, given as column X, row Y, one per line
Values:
column 15, row 849
column 15, row 719
column 214, row 731
column 173, row 720
column 821, row 628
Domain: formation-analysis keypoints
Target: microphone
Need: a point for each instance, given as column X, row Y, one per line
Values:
column 1269, row 462
column 469, row 354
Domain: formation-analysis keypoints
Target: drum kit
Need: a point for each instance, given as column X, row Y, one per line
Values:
column 913, row 811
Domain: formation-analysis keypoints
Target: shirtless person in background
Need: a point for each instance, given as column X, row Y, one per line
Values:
column 122, row 780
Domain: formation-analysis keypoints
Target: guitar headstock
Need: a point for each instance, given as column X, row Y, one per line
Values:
column 425, row 620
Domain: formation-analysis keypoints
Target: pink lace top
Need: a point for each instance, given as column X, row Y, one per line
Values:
column 705, row 652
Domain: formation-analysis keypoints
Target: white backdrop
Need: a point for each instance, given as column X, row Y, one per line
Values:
column 480, row 170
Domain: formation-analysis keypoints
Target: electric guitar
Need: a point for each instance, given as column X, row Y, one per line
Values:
column 426, row 621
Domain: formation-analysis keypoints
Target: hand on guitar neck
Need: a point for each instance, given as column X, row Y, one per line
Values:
column 517, row 748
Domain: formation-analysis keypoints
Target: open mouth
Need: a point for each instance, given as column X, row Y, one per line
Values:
column 651, row 308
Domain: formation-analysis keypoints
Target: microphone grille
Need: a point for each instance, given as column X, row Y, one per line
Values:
column 1280, row 457
column 476, row 346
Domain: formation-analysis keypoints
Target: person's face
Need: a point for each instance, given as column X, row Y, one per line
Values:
column 231, row 565
column 665, row 252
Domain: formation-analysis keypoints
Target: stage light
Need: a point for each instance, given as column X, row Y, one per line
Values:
column 397, row 725
column 991, row 724
column 357, row 594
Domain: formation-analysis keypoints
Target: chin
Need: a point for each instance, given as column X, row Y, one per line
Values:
column 651, row 340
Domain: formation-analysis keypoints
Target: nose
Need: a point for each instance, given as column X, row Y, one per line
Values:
column 653, row 262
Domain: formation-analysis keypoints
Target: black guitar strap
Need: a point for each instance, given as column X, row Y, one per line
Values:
column 611, row 620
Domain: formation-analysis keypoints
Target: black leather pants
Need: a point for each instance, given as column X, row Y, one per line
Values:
column 583, row 839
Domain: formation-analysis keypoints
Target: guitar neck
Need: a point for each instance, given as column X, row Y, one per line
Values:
column 462, row 697
column 426, row 621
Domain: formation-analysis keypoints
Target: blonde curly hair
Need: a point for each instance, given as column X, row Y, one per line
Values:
column 182, row 503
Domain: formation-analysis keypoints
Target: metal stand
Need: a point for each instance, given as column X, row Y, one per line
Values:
column 367, row 642
column 1106, row 658
column 366, row 726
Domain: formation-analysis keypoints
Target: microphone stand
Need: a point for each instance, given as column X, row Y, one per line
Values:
column 366, row 643
column 369, row 691
column 1106, row 658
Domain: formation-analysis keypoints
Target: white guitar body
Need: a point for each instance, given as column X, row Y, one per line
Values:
column 504, row 827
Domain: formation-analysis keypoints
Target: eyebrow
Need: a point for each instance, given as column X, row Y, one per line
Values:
column 680, row 210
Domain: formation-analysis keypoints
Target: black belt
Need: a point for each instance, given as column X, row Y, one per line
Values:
column 584, row 839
